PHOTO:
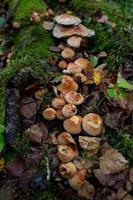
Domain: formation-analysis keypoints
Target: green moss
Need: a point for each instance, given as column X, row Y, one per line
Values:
column 26, row 7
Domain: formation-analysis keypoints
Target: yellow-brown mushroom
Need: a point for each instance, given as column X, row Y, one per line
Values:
column 73, row 124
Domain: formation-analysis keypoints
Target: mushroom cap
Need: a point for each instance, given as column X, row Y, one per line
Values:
column 49, row 114
column 67, row 84
column 81, row 76
column 78, row 180
column 66, row 19
column 48, row 25
column 39, row 93
column 67, row 170
column 65, row 153
column 73, row 97
column 74, row 41
column 60, row 115
column 69, row 110
column 60, row 31
column 73, row 68
column 92, row 124
column 73, row 124
column 66, row 139
column 68, row 53
column 83, row 63
column 62, row 64
column 58, row 102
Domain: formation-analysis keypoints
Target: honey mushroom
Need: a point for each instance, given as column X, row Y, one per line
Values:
column 60, row 115
column 73, row 124
column 73, row 68
column 80, row 76
column 62, row 64
column 49, row 113
column 65, row 138
column 58, row 103
column 68, row 53
column 67, row 170
column 73, row 97
column 92, row 124
column 65, row 153
column 69, row 110
column 83, row 63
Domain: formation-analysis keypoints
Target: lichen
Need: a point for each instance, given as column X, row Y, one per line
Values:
column 26, row 7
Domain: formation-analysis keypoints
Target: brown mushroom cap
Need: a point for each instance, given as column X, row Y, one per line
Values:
column 60, row 115
column 73, row 97
column 74, row 41
column 39, row 93
column 73, row 68
column 62, row 64
column 67, row 84
column 66, row 19
column 67, row 170
column 78, row 180
column 81, row 76
column 49, row 114
column 92, row 124
column 58, row 102
column 69, row 110
column 60, row 31
column 65, row 153
column 68, row 53
column 83, row 63
column 73, row 125
column 66, row 139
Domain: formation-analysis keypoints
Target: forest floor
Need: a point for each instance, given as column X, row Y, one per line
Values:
column 29, row 59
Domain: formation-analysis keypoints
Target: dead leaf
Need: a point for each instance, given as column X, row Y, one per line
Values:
column 86, row 191
column 113, row 162
column 16, row 167
column 113, row 120
column 97, row 76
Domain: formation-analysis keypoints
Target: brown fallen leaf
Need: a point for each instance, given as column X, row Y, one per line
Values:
column 113, row 162
column 86, row 191
column 16, row 167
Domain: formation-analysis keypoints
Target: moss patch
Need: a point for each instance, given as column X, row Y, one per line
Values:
column 26, row 7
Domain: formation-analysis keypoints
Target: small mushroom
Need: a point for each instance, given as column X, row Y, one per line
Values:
column 58, row 102
column 68, row 53
column 74, row 41
column 67, row 84
column 66, row 19
column 73, row 97
column 83, row 63
column 67, row 170
column 73, row 68
column 92, row 124
column 80, row 76
column 66, row 139
column 65, row 153
column 39, row 93
column 60, row 115
column 78, row 180
column 69, row 110
column 60, row 31
column 62, row 64
column 49, row 114
column 73, row 125
column 48, row 25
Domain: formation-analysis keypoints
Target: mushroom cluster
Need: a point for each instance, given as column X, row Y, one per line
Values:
column 65, row 106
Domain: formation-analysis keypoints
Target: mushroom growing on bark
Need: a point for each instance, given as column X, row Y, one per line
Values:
column 58, row 102
column 92, row 124
column 74, row 41
column 73, row 125
column 74, row 98
column 68, row 53
column 67, row 170
column 67, row 84
column 65, row 153
column 69, row 110
column 49, row 114
column 66, row 19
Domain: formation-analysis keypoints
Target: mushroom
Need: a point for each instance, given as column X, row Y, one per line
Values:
column 73, row 97
column 48, row 25
column 39, row 93
column 73, row 124
column 74, row 41
column 78, row 180
column 68, row 53
column 67, row 170
column 69, row 110
column 73, row 68
column 92, row 124
column 65, row 153
column 83, row 63
column 60, row 115
column 58, row 102
column 62, row 64
column 67, row 84
column 66, row 139
column 60, row 31
column 80, row 76
column 49, row 114
column 66, row 19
